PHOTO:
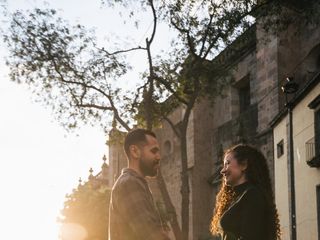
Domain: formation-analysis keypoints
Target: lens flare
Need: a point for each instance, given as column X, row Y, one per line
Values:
column 73, row 231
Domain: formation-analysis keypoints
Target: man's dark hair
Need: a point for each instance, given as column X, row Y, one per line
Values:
column 135, row 137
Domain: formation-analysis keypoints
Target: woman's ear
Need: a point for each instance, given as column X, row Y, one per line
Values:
column 244, row 165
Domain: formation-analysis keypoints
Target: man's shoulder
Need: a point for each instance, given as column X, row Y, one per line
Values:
column 127, row 179
column 129, row 188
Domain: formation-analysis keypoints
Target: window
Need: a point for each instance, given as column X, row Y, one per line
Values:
column 315, row 105
column 167, row 147
column 310, row 150
column 317, row 131
column 243, row 91
column 280, row 148
column 244, row 97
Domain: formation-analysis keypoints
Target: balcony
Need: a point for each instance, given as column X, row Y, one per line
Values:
column 312, row 159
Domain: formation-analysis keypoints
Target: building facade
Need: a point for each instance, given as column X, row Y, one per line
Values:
column 306, row 155
column 259, row 63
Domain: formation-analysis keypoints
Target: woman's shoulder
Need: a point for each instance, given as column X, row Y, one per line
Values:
column 253, row 194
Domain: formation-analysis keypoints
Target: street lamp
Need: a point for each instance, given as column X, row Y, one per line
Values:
column 291, row 87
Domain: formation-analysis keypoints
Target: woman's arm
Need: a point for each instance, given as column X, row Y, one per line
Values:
column 253, row 222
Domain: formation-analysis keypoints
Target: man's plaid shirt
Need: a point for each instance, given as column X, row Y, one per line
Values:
column 132, row 214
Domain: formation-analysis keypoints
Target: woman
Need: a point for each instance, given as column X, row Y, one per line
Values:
column 245, row 207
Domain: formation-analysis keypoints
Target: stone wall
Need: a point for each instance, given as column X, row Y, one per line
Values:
column 117, row 157
column 202, row 194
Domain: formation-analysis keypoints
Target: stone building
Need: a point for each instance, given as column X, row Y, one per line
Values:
column 117, row 157
column 259, row 64
column 102, row 178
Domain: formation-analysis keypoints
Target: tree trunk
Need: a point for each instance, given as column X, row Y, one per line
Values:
column 162, row 185
column 184, row 184
column 169, row 206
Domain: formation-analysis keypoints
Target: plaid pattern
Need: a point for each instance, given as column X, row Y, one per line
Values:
column 132, row 214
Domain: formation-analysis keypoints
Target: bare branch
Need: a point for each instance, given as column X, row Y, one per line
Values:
column 135, row 100
column 154, row 21
column 122, row 51
column 95, row 106
column 112, row 108
column 204, row 39
column 173, row 127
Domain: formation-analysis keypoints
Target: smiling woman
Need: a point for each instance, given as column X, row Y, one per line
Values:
column 245, row 207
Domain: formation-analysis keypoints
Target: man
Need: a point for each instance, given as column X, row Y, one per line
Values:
column 133, row 215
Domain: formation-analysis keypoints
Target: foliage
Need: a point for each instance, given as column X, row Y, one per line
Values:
column 88, row 206
column 72, row 74
column 64, row 67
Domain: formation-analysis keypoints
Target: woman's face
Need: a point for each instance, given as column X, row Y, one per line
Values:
column 233, row 172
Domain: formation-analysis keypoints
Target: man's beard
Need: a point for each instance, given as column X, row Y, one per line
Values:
column 148, row 168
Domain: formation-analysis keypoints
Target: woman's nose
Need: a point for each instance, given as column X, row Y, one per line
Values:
column 223, row 170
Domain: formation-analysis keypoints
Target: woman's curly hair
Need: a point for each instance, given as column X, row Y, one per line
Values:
column 257, row 173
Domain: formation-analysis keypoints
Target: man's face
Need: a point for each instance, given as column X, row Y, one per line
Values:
column 150, row 157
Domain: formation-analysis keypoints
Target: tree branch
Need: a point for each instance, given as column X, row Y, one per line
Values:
column 172, row 91
column 154, row 21
column 235, row 23
column 189, row 38
column 122, row 51
column 112, row 108
column 94, row 106
column 174, row 128
column 205, row 35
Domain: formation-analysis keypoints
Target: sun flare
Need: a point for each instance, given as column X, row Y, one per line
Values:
column 72, row 231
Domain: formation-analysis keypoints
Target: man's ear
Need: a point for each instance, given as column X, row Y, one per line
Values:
column 135, row 151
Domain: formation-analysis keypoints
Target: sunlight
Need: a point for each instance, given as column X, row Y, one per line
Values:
column 40, row 166
column 72, row 231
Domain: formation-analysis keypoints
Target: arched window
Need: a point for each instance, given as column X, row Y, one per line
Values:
column 167, row 147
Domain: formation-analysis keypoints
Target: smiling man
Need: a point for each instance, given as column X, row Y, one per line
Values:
column 133, row 215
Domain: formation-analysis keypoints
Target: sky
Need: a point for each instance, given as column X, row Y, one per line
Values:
column 39, row 161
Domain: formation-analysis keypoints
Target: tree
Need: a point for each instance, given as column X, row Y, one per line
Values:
column 70, row 73
column 75, row 76
column 87, row 208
